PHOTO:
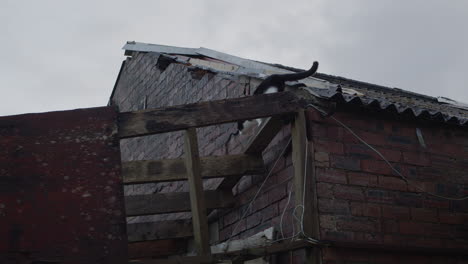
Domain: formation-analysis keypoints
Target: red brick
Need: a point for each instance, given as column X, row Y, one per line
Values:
column 395, row 212
column 230, row 218
column 314, row 115
column 362, row 179
column 389, row 226
column 376, row 166
column 353, row 223
column 325, row 190
column 260, row 202
column 333, row 206
column 416, row 158
column 328, row 146
column 285, row 174
column 424, row 215
column 347, row 192
column 392, row 183
column 331, row 175
column 364, row 152
column 380, row 196
column 327, row 221
column 276, row 193
column 322, row 159
column 332, row 235
column 434, row 202
column 254, row 220
column 412, row 228
column 270, row 212
column 345, row 162
column 365, row 209
column 409, row 199
column 374, row 238
column 452, row 218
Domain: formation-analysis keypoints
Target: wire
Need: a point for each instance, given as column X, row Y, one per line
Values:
column 386, row 161
column 257, row 193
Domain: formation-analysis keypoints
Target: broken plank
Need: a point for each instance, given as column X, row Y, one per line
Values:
column 146, row 171
column 140, row 123
column 159, row 230
column 197, row 197
column 159, row 203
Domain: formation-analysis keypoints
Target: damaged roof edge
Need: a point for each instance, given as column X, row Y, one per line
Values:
column 324, row 85
column 144, row 47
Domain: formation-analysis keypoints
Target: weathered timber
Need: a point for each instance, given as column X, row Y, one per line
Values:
column 156, row 248
column 147, row 171
column 257, row 144
column 301, row 192
column 140, row 123
column 177, row 260
column 159, row 203
column 197, row 197
column 159, row 230
column 242, row 255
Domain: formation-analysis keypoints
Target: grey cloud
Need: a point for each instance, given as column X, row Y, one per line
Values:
column 66, row 54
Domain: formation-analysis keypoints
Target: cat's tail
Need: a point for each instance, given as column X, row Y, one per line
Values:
column 300, row 75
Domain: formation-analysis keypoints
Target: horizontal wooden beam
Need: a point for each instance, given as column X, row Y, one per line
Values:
column 178, row 260
column 160, row 203
column 160, row 120
column 146, row 171
column 159, row 230
column 156, row 248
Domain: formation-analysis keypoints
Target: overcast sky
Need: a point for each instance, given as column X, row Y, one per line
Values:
column 58, row 55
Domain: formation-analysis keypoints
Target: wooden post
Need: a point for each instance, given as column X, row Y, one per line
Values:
column 304, row 184
column 197, row 197
column 299, row 142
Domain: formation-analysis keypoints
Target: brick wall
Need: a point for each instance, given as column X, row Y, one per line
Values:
column 361, row 200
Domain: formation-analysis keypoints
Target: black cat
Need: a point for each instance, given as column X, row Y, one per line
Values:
column 273, row 84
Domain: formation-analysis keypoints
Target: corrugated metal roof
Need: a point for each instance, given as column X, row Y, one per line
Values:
column 352, row 92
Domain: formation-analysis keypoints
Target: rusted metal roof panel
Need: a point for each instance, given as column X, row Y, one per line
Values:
column 61, row 196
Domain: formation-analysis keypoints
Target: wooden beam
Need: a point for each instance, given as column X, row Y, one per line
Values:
column 257, row 144
column 197, row 197
column 146, row 171
column 177, row 260
column 156, row 248
column 173, row 202
column 140, row 123
column 159, row 230
column 301, row 192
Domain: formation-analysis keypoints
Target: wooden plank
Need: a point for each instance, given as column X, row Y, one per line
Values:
column 256, row 145
column 173, row 202
column 140, row 123
column 156, row 248
column 159, row 230
column 147, row 171
column 197, row 197
column 301, row 193
column 176, row 260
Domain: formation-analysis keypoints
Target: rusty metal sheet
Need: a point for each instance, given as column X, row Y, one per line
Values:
column 61, row 195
